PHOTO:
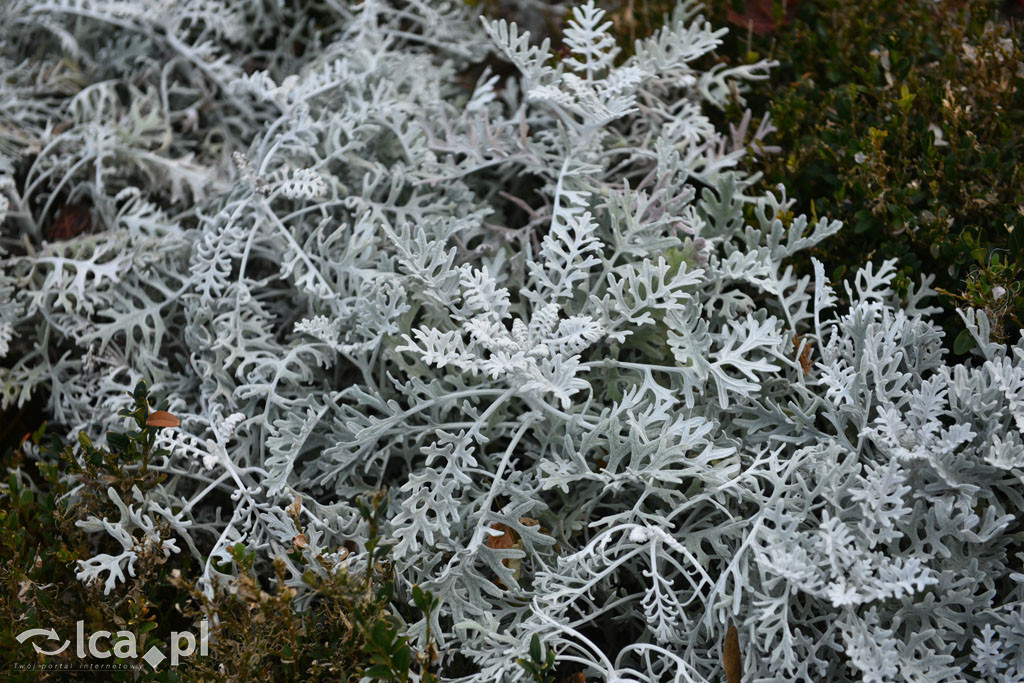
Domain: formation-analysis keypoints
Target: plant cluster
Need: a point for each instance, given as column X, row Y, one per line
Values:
column 543, row 304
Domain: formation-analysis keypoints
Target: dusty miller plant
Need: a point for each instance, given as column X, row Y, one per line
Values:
column 541, row 308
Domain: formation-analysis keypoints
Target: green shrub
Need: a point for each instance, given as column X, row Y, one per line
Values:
column 906, row 121
column 345, row 631
column 903, row 120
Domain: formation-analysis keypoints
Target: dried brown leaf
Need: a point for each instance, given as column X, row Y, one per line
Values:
column 804, row 356
column 71, row 221
column 731, row 655
column 504, row 541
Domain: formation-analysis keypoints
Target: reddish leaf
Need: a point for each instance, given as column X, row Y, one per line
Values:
column 72, row 220
column 506, row 540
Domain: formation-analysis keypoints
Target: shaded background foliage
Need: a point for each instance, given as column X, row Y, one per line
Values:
column 905, row 121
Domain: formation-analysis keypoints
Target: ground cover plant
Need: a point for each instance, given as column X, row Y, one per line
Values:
column 532, row 292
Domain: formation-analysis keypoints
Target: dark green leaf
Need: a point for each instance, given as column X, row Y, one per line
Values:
column 119, row 441
column 381, row 672
column 418, row 598
column 964, row 343
column 379, row 635
column 402, row 659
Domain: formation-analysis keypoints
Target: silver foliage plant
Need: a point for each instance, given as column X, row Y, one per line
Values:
column 541, row 307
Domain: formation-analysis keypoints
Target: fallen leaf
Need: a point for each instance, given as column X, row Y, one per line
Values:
column 507, row 539
column 805, row 355
column 161, row 418
column 731, row 655
column 72, row 220
column 295, row 509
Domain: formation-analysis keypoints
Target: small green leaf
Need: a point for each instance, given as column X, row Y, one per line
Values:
column 861, row 226
column 379, row 635
column 964, row 342
column 418, row 598
column 402, row 658
column 380, row 671
column 140, row 391
column 536, row 653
